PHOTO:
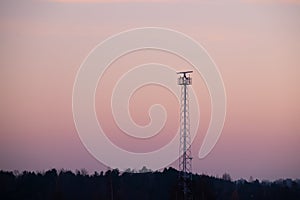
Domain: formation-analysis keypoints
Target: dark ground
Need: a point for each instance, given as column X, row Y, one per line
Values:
column 136, row 186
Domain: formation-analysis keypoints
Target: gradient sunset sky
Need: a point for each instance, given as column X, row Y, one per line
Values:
column 255, row 44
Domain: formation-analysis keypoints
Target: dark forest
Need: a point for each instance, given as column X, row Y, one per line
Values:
column 129, row 185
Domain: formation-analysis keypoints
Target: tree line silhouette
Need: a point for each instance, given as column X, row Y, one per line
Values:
column 129, row 185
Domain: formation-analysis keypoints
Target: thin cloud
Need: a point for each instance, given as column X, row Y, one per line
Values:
column 176, row 1
column 272, row 1
column 110, row 1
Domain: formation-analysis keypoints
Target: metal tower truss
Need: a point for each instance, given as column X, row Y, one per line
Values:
column 185, row 153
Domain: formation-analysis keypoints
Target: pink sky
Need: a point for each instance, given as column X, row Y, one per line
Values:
column 255, row 45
